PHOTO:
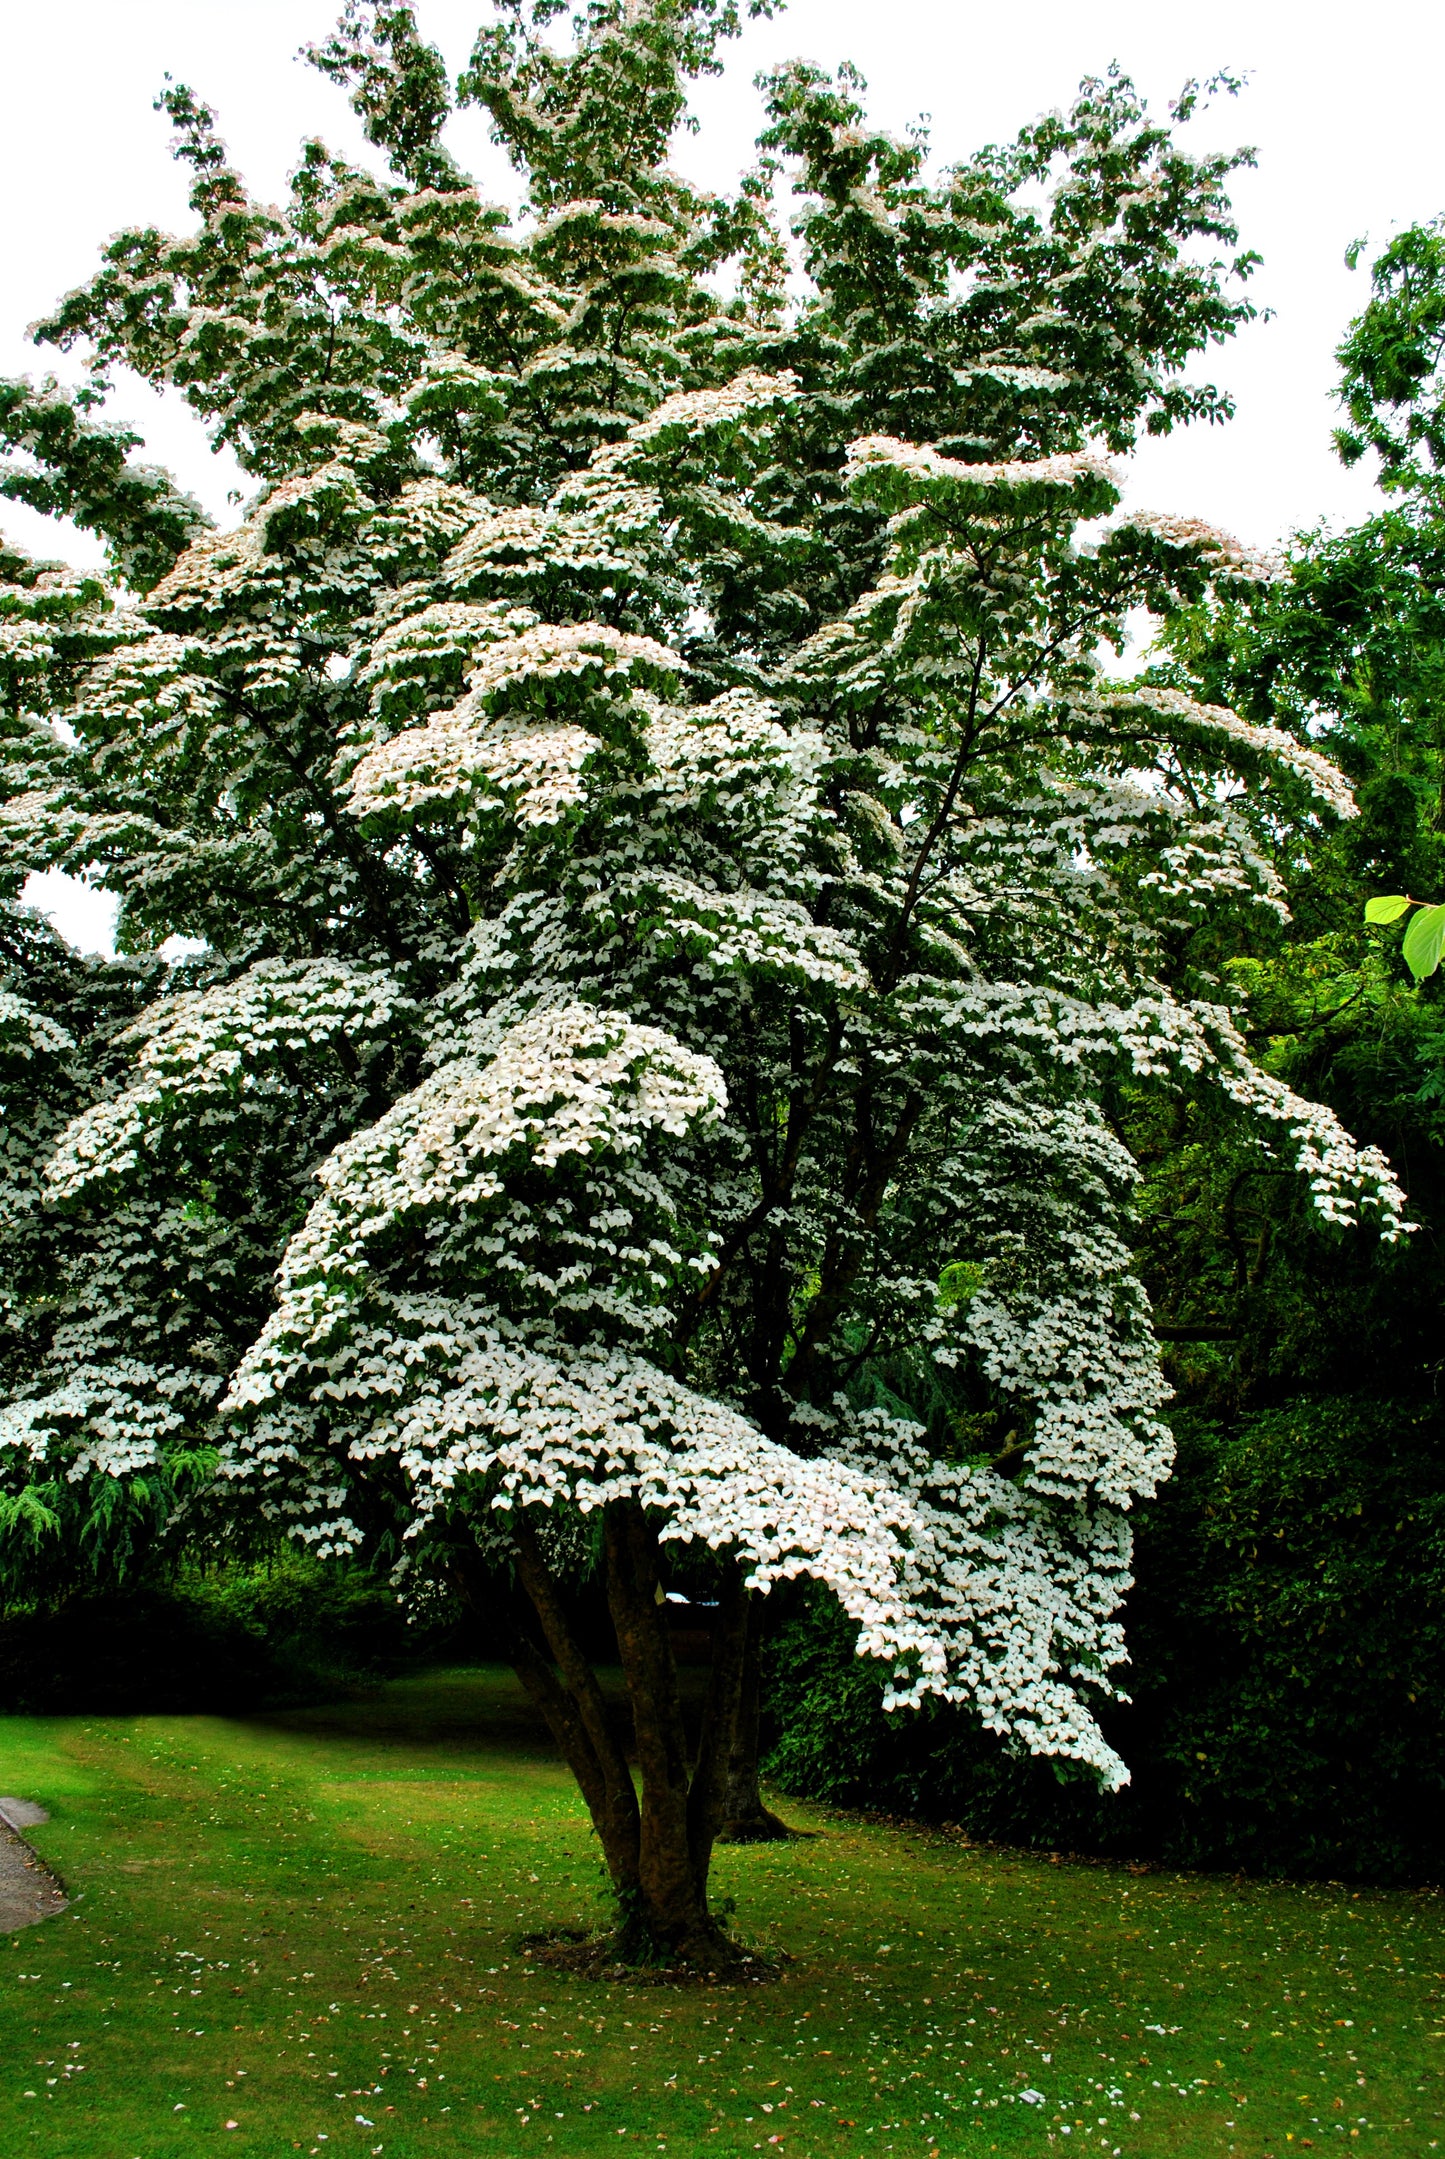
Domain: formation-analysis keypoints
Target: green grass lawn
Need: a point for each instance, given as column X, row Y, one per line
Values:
column 301, row 1933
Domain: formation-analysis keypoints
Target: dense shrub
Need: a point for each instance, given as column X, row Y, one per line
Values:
column 1288, row 1642
column 226, row 1639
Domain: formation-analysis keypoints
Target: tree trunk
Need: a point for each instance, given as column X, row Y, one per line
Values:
column 657, row 1844
column 745, row 1819
column 571, row 1700
column 681, row 1799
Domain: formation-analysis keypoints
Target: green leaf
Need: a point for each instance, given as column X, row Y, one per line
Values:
column 26, row 1516
column 1423, row 940
column 1386, row 910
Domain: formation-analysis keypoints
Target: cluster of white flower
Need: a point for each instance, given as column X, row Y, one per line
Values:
column 951, row 1574
column 423, row 523
column 745, row 930
column 1083, row 833
column 561, row 1081
column 531, row 768
column 537, row 1428
column 589, row 214
column 874, row 454
column 552, row 653
column 26, row 1033
column 523, row 550
column 27, row 649
column 1172, row 711
column 154, row 683
column 204, row 1043
column 417, row 660
column 1343, row 1177
column 113, row 1418
column 690, row 415
column 1225, row 557
column 495, row 747
column 1157, row 1036
column 1203, row 868
column 208, row 573
column 1092, row 1385
column 720, row 754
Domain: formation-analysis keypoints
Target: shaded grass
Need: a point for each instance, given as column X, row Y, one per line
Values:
column 288, row 1923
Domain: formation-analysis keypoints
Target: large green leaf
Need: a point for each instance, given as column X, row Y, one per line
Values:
column 1423, row 940
column 1386, row 909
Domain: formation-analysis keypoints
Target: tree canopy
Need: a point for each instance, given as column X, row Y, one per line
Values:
column 680, row 890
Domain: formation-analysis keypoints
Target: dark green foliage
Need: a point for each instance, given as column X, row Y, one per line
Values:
column 1288, row 1639
column 1347, row 651
column 228, row 1639
column 1254, row 1302
column 1391, row 362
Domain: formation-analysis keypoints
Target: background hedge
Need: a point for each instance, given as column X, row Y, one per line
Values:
column 1287, row 1632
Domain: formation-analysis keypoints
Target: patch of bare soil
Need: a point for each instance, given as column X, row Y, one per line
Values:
column 597, row 1956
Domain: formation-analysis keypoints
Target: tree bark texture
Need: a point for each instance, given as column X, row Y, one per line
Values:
column 657, row 1835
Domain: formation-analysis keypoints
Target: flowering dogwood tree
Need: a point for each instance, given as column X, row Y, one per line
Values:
column 677, row 888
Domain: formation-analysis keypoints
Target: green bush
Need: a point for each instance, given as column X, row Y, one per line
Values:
column 1287, row 1633
column 286, row 1630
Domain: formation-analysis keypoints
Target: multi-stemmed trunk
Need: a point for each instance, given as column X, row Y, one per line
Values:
column 657, row 1834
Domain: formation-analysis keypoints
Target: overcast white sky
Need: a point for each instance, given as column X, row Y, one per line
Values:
column 1342, row 105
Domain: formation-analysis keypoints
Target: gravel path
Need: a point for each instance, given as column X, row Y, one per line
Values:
column 28, row 1890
